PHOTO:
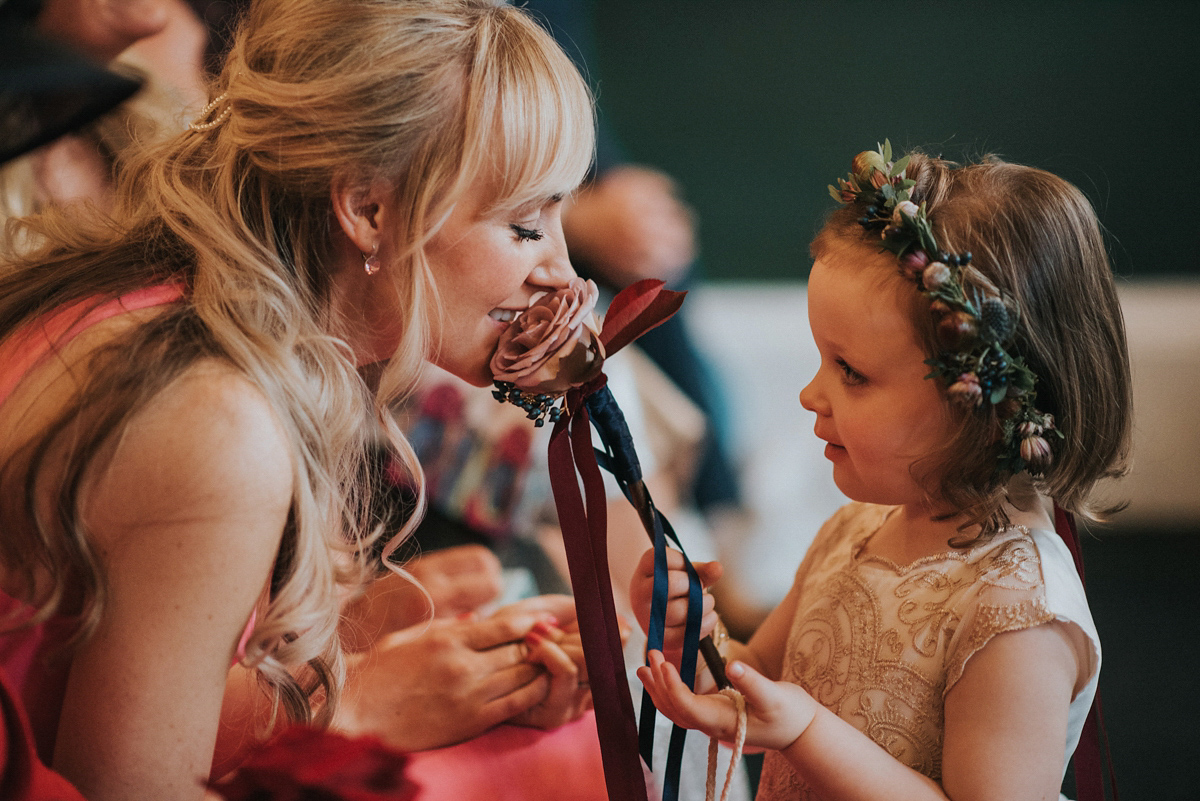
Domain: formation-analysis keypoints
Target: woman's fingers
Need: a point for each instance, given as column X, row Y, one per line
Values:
column 506, row 628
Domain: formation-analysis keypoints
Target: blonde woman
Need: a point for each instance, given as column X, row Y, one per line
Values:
column 182, row 414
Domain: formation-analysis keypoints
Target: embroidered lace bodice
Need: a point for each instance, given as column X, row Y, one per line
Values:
column 881, row 644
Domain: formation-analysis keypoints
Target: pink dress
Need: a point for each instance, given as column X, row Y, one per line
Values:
column 27, row 659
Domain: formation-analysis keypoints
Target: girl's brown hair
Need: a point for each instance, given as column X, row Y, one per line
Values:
column 1036, row 238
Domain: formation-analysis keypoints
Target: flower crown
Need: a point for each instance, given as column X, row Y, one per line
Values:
column 975, row 324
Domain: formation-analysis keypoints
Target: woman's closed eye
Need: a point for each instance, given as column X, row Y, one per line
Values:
column 525, row 234
column 849, row 374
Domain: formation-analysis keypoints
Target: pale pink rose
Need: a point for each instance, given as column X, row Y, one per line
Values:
column 904, row 207
column 935, row 275
column 554, row 344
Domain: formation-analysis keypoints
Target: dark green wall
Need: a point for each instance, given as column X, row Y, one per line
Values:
column 756, row 106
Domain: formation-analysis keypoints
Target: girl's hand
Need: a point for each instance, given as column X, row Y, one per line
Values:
column 641, row 589
column 777, row 712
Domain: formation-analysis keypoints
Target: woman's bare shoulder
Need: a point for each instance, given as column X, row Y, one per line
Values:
column 209, row 446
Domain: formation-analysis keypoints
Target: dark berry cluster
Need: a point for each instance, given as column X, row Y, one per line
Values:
column 538, row 406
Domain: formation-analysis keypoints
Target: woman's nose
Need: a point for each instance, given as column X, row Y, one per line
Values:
column 554, row 271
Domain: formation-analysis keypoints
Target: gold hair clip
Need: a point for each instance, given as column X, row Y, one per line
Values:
column 197, row 125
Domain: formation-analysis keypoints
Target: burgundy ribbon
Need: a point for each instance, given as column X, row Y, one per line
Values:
column 1089, row 767
column 582, row 517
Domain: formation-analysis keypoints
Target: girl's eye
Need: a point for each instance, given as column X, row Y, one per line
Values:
column 850, row 375
column 527, row 234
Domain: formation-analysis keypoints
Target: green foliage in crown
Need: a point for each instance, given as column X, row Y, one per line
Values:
column 975, row 323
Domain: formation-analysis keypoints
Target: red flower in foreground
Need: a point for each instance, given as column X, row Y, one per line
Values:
column 307, row 764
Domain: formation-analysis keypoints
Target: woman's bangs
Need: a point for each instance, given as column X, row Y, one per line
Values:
column 543, row 117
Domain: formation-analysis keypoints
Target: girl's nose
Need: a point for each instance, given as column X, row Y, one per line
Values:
column 810, row 398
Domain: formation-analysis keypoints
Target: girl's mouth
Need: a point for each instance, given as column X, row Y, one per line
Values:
column 832, row 450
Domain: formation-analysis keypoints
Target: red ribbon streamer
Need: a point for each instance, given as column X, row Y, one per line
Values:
column 1089, row 767
column 583, row 519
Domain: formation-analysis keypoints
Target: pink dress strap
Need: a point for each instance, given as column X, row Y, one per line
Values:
column 27, row 347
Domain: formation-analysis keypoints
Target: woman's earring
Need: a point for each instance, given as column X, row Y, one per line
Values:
column 371, row 263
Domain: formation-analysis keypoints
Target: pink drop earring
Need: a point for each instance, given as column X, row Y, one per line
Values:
column 371, row 263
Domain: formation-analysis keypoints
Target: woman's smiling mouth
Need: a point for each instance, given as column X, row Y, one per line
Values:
column 503, row 315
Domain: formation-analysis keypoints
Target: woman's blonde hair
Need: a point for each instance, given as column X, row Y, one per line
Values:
column 1036, row 238
column 425, row 95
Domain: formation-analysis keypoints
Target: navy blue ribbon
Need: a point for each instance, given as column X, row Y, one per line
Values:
column 619, row 457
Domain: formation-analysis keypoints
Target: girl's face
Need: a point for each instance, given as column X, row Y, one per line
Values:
column 487, row 265
column 875, row 409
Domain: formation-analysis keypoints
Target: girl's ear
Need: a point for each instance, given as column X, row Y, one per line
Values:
column 363, row 211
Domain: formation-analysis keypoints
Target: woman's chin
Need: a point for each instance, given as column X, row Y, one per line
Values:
column 476, row 373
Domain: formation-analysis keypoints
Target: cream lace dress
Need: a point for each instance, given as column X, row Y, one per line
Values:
column 880, row 644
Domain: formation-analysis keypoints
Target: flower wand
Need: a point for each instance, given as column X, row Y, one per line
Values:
column 549, row 362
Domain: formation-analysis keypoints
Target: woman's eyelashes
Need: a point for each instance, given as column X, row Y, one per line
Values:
column 525, row 234
column 849, row 374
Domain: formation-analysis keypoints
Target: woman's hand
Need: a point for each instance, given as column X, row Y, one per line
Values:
column 459, row 580
column 641, row 590
column 561, row 654
column 435, row 685
column 777, row 712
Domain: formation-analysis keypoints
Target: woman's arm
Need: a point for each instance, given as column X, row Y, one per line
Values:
column 186, row 517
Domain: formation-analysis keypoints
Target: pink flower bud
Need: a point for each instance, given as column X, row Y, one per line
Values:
column 866, row 163
column 913, row 262
column 1036, row 451
column 966, row 390
column 1028, row 429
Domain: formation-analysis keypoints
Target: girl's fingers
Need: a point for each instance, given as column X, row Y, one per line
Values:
column 710, row 714
column 709, row 572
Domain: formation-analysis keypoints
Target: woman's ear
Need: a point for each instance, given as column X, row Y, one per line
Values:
column 362, row 210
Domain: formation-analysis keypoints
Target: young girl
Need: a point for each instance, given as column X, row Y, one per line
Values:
column 936, row 642
column 183, row 417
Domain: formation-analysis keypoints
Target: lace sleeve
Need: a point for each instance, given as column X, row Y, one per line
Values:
column 1009, row 595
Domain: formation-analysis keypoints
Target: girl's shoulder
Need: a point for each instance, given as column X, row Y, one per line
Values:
column 1021, row 578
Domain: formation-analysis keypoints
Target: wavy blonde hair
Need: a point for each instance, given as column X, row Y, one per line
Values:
column 423, row 94
column 1036, row 238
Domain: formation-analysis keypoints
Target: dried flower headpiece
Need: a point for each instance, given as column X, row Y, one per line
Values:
column 975, row 324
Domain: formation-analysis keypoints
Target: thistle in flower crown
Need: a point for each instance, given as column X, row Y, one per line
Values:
column 975, row 323
column 549, row 348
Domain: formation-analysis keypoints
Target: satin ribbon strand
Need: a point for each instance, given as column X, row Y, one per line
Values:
column 1090, row 767
column 615, row 723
